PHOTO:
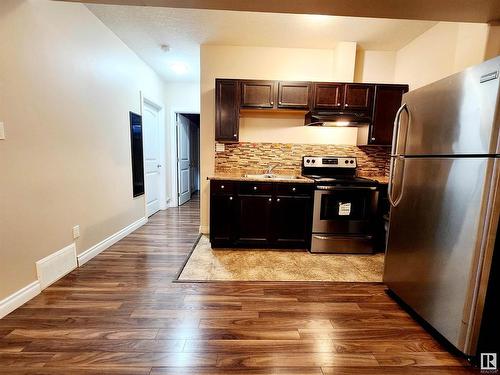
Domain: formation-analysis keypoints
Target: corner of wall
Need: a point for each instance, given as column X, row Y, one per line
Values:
column 344, row 61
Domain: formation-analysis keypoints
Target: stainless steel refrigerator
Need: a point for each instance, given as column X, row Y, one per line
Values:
column 445, row 201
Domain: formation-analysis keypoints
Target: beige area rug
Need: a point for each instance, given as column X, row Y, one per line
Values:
column 207, row 264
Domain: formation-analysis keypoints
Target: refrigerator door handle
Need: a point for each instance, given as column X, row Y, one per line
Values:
column 397, row 125
column 390, row 189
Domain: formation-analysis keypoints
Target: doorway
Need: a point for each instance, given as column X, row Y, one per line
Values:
column 188, row 156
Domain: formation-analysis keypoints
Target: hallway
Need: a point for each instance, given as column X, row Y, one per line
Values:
column 122, row 314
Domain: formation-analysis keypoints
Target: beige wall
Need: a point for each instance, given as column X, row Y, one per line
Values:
column 493, row 43
column 344, row 60
column 291, row 129
column 444, row 49
column 375, row 66
column 67, row 85
column 268, row 63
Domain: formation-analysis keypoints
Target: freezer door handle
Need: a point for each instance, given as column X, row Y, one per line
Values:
column 395, row 181
column 397, row 126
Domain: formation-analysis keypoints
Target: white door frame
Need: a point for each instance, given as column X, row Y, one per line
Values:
column 163, row 181
column 172, row 145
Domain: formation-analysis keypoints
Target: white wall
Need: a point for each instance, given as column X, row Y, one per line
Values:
column 444, row 49
column 179, row 98
column 67, row 84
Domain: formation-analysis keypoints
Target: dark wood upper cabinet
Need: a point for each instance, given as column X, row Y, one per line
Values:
column 257, row 94
column 328, row 95
column 386, row 104
column 379, row 102
column 294, row 95
column 227, row 107
column 358, row 97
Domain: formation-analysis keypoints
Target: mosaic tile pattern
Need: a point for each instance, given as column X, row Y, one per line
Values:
column 372, row 161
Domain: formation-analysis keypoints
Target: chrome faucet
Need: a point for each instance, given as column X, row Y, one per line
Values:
column 271, row 167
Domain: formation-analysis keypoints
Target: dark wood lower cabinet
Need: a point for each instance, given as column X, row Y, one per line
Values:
column 222, row 207
column 290, row 229
column 271, row 215
column 253, row 220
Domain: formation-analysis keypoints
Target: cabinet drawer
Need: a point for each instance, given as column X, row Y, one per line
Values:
column 220, row 187
column 256, row 188
column 293, row 189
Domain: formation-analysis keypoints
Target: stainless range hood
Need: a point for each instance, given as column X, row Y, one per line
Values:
column 336, row 119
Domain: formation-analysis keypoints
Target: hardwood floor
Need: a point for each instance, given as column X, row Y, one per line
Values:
column 122, row 314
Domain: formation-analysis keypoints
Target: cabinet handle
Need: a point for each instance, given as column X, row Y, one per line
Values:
column 272, row 103
column 347, row 105
column 293, row 189
column 338, row 104
column 270, row 199
column 230, row 198
column 235, row 135
column 279, row 103
column 222, row 186
column 277, row 199
column 373, row 138
column 255, row 187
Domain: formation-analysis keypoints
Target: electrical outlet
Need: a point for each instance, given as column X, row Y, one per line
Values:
column 76, row 232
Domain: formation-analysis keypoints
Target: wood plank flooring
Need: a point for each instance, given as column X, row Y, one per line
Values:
column 122, row 314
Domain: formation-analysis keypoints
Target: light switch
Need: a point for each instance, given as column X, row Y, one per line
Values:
column 2, row 131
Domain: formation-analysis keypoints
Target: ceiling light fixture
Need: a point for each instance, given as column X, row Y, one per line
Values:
column 179, row 68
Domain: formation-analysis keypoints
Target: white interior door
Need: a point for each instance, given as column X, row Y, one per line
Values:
column 151, row 134
column 183, row 159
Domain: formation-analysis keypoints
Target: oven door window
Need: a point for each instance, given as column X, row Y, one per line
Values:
column 345, row 205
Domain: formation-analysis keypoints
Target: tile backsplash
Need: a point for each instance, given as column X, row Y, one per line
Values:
column 247, row 156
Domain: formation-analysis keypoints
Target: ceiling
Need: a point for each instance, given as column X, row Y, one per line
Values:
column 144, row 29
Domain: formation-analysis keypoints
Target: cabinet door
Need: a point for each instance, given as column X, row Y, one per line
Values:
column 358, row 97
column 253, row 218
column 293, row 95
column 291, row 221
column 328, row 95
column 227, row 108
column 222, row 214
column 257, row 94
column 387, row 102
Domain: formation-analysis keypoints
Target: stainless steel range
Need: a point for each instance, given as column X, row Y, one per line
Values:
column 345, row 206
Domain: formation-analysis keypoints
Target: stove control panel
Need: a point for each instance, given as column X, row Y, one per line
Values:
column 329, row 162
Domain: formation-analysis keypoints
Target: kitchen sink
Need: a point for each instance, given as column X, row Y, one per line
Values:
column 272, row 176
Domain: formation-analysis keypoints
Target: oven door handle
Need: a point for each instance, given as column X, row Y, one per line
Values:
column 346, row 187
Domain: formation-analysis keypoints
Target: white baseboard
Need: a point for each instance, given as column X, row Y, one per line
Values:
column 19, row 298
column 111, row 240
column 204, row 229
column 56, row 265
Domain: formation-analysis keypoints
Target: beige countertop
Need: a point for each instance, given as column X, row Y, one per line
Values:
column 237, row 176
column 241, row 177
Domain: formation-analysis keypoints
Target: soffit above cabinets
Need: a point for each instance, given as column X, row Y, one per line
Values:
column 443, row 10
